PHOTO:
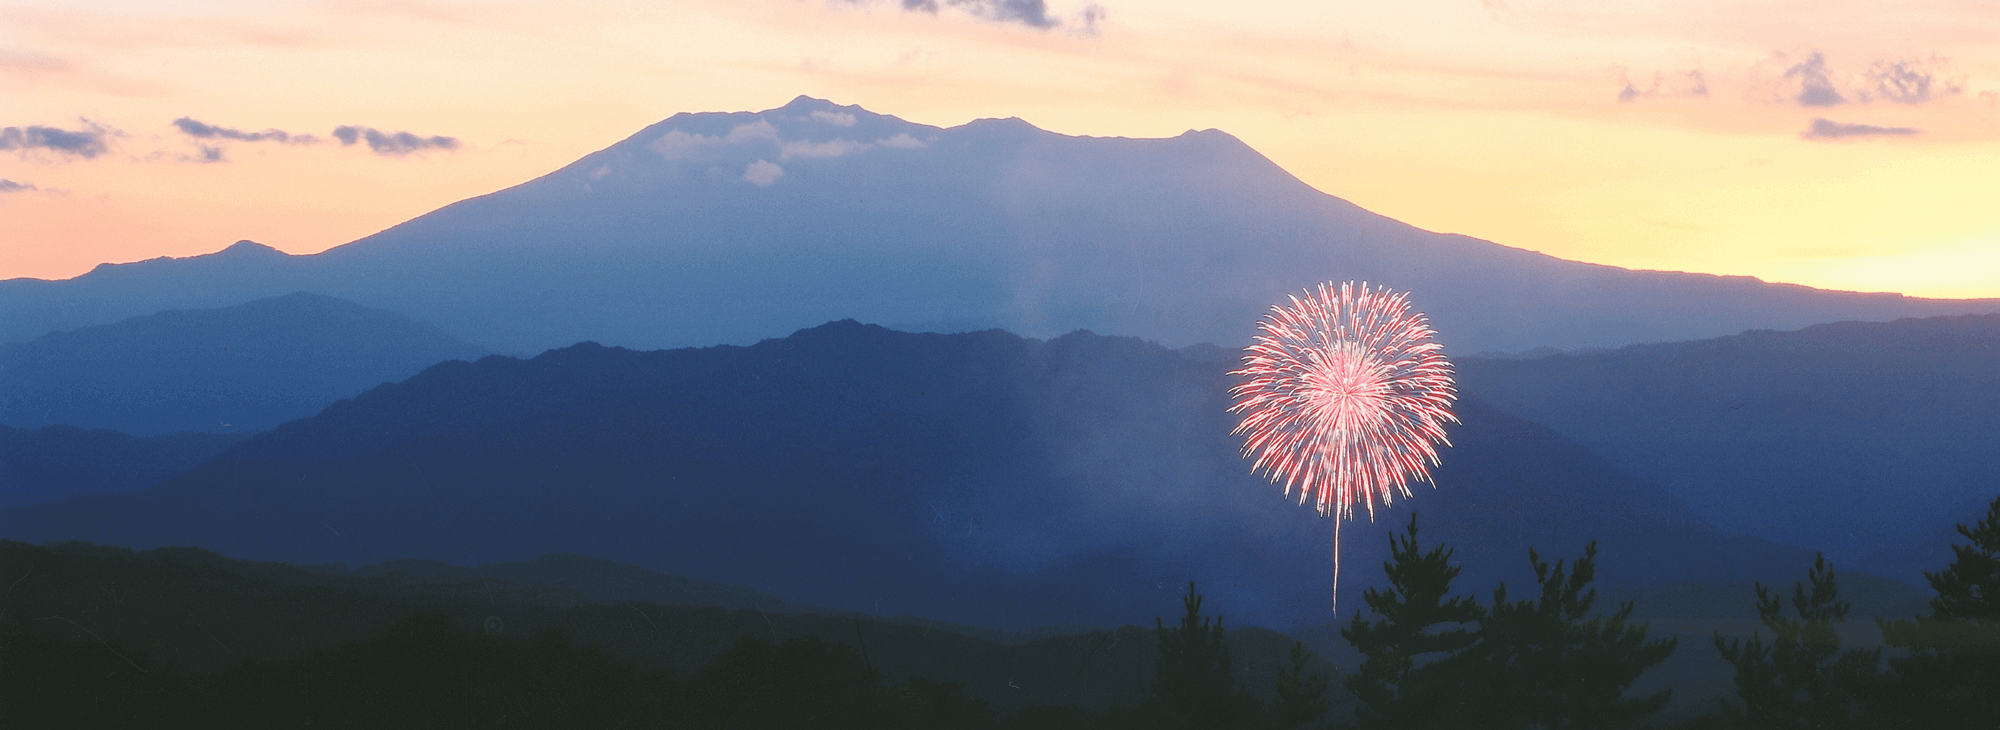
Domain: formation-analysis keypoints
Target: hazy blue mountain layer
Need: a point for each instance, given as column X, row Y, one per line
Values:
column 730, row 228
column 52, row 462
column 238, row 369
column 980, row 478
column 1870, row 439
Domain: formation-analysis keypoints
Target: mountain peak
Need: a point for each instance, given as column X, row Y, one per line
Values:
column 805, row 104
column 247, row 247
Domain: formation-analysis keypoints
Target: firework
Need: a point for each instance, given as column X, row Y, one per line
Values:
column 1345, row 400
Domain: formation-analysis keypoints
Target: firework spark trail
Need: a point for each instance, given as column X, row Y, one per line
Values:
column 1346, row 399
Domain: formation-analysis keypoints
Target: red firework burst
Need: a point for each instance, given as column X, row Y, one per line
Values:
column 1346, row 399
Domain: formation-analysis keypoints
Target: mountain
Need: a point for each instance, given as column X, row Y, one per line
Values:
column 595, row 579
column 729, row 228
column 1868, row 438
column 983, row 478
column 52, row 462
column 236, row 369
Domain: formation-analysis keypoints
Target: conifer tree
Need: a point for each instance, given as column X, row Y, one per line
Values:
column 1301, row 697
column 1194, row 682
column 1408, row 677
column 1801, row 679
column 1549, row 664
column 1951, row 675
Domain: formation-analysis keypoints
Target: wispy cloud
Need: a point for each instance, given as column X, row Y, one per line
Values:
column 86, row 143
column 1827, row 129
column 838, row 119
column 27, row 61
column 829, row 148
column 392, row 144
column 1909, row 82
column 1031, row 13
column 1692, row 83
column 1815, row 83
column 1089, row 18
column 9, row 186
column 679, row 145
column 31, row 70
column 199, row 130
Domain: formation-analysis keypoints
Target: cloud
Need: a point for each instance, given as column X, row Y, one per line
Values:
column 1088, row 19
column 85, row 143
column 1031, row 13
column 200, row 130
column 679, row 145
column 1691, row 84
column 1908, row 82
column 392, row 145
column 763, row 173
column 1815, row 85
column 9, row 186
column 838, row 119
column 833, row 148
column 1823, row 128
column 1899, row 82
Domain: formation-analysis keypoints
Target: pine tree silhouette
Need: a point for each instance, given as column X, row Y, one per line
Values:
column 1409, row 678
column 1801, row 679
column 1951, row 675
column 1550, row 664
column 1193, row 682
column 1301, row 697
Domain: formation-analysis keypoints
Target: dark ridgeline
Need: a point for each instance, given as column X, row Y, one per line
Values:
column 239, row 369
column 193, row 639
column 180, row 637
column 982, row 479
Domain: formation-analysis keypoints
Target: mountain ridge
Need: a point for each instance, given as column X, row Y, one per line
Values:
column 982, row 479
column 242, row 368
column 1881, row 435
column 672, row 239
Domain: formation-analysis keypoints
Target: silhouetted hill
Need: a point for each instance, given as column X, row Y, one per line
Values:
column 38, row 465
column 1867, row 439
column 238, row 369
column 198, row 612
column 596, row 579
column 665, row 239
column 982, row 479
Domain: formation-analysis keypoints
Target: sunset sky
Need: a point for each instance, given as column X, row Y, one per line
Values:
column 1838, row 144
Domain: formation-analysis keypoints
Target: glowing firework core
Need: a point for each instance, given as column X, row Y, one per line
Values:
column 1346, row 398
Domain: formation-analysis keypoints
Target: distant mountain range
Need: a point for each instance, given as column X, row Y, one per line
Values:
column 1869, row 439
column 982, row 478
column 49, row 463
column 237, row 369
column 729, row 228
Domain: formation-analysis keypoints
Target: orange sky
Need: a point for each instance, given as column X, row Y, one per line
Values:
column 1847, row 145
